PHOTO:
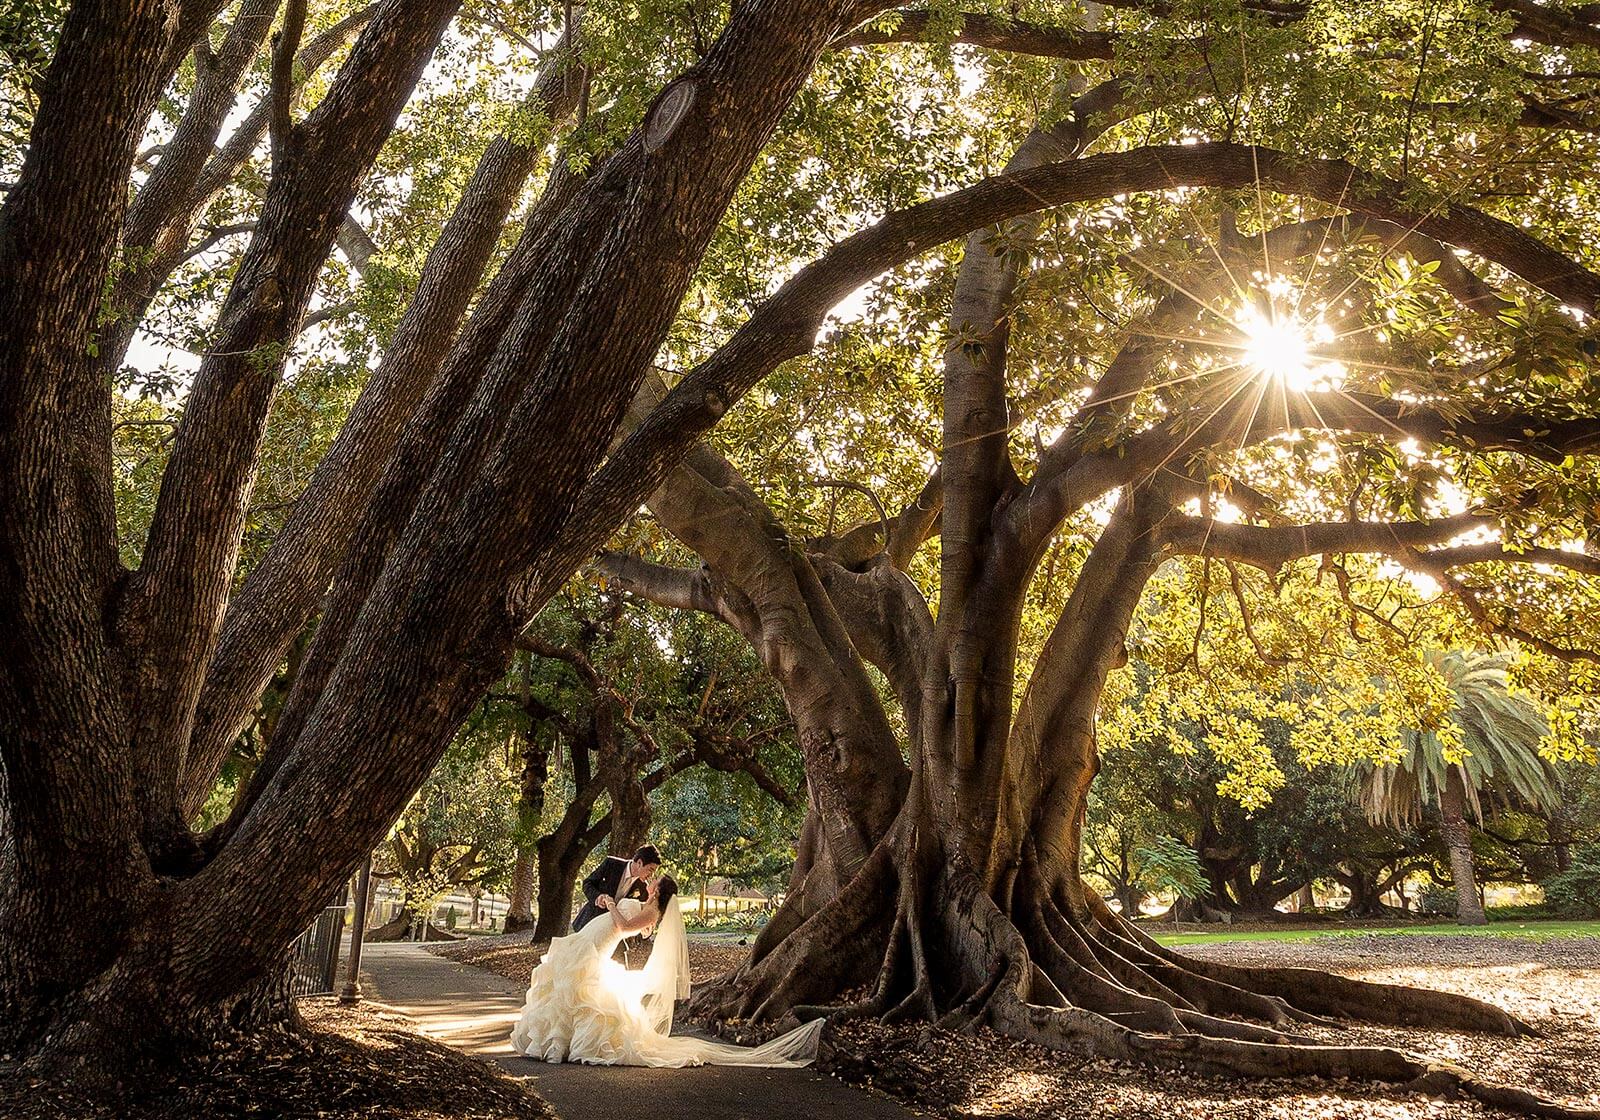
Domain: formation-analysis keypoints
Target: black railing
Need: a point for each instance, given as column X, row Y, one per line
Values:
column 314, row 956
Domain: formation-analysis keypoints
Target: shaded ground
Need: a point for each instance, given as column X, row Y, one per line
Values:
column 350, row 1063
column 1552, row 983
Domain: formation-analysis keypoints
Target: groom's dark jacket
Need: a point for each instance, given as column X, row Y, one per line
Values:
column 604, row 880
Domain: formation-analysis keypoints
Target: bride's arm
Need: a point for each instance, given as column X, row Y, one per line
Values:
column 643, row 920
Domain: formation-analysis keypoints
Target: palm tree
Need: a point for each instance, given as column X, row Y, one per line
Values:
column 1501, row 734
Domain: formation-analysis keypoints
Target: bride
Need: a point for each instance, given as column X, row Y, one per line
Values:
column 583, row 1006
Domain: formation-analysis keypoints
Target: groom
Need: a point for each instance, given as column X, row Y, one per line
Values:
column 616, row 878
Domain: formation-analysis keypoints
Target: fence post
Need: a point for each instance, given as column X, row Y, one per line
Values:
column 358, row 930
column 334, row 917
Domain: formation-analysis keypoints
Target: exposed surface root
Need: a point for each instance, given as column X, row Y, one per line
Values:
column 1117, row 1021
column 1074, row 1029
column 1087, row 980
column 837, row 948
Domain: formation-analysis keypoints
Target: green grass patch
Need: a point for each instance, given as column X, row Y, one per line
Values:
column 1536, row 930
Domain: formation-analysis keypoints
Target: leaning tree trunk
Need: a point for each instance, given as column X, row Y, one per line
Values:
column 1457, row 838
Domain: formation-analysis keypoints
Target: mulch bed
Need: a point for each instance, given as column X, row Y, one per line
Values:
column 349, row 1063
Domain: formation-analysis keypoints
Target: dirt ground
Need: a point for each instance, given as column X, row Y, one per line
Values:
column 1552, row 983
column 350, row 1064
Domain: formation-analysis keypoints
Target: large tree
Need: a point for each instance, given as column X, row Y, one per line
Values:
column 486, row 457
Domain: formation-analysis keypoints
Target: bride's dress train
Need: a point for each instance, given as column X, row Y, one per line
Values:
column 582, row 1006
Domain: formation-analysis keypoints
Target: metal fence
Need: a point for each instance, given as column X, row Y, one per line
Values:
column 314, row 956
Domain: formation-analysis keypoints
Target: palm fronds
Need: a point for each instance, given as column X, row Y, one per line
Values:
column 1499, row 753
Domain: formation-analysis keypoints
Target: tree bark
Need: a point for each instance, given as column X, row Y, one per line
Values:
column 519, row 911
column 559, row 865
column 1457, row 836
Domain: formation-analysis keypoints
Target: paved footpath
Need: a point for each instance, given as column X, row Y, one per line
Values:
column 473, row 1009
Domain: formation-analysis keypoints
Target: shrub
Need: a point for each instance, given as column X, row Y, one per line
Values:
column 1435, row 898
column 1575, row 892
column 733, row 921
column 1520, row 913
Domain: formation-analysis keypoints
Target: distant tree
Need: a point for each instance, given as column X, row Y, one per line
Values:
column 1491, row 749
column 1256, row 846
column 609, row 702
column 719, row 825
column 1575, row 891
column 456, row 835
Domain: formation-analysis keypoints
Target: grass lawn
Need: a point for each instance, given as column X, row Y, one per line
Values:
column 1535, row 929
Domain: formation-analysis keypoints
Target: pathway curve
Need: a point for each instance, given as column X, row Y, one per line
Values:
column 473, row 1009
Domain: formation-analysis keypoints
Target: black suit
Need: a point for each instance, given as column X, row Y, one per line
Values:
column 604, row 880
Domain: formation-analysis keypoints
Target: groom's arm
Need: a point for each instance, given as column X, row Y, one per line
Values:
column 594, row 885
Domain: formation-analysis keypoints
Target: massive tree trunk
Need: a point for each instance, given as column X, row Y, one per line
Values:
column 1457, row 837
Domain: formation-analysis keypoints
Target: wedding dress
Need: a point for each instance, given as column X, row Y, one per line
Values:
column 582, row 1006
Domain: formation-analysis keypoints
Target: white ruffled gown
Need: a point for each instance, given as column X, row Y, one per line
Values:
column 582, row 1006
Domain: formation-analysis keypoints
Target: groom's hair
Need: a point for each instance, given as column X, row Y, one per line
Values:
column 665, row 889
column 648, row 854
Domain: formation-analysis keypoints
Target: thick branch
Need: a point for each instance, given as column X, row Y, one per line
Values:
column 1496, row 551
column 1444, row 572
column 1051, row 496
column 980, row 30
column 165, row 211
column 285, row 586
column 357, row 246
column 1271, row 547
column 787, row 324
column 284, row 45
column 169, row 616
column 686, row 589
column 889, row 623
column 167, row 194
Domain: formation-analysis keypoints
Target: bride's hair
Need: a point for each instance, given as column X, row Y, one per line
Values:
column 665, row 889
